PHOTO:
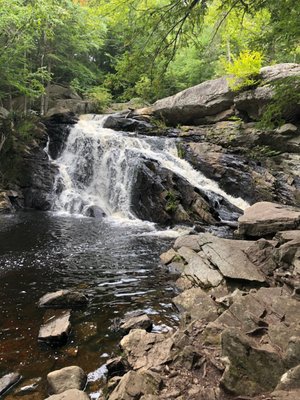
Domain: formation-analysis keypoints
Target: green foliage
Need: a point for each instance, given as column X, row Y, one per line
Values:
column 245, row 70
column 180, row 150
column 100, row 96
column 172, row 201
column 258, row 153
column 286, row 93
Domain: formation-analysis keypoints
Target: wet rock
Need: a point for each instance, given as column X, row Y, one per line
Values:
column 192, row 105
column 134, row 385
column 29, row 386
column 7, row 381
column 287, row 129
column 265, row 218
column 65, row 379
column 251, row 369
column 290, row 380
column 137, row 322
column 197, row 304
column 158, row 192
column 63, row 299
column 95, row 212
column 72, row 394
column 116, row 367
column 5, row 203
column 146, row 350
column 56, row 328
column 119, row 123
column 58, row 128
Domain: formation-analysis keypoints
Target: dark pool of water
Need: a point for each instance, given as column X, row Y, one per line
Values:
column 116, row 266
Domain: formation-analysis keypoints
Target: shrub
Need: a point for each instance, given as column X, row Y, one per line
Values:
column 100, row 96
column 285, row 100
column 244, row 70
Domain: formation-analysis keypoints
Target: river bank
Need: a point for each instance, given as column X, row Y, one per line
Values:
column 239, row 332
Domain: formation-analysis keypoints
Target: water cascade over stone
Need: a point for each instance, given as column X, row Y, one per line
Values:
column 98, row 166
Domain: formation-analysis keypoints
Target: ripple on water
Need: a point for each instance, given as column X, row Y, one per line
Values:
column 115, row 264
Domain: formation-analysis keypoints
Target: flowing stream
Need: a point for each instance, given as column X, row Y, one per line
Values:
column 114, row 260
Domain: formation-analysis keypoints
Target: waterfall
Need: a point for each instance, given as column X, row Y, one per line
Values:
column 97, row 167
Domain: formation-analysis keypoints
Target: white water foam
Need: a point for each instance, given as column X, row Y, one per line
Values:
column 97, row 168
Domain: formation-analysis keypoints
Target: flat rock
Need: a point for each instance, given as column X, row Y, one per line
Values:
column 63, row 299
column 197, row 304
column 134, row 385
column 72, row 394
column 199, row 269
column 265, row 218
column 210, row 98
column 66, row 378
column 146, row 350
column 137, row 322
column 190, row 241
column 230, row 258
column 56, row 328
column 7, row 381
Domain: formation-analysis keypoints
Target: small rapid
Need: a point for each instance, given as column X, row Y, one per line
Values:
column 98, row 165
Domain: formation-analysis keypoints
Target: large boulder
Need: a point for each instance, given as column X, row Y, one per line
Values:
column 71, row 106
column 226, row 256
column 65, row 379
column 213, row 101
column 265, row 218
column 191, row 106
column 252, row 103
column 121, row 123
column 252, row 369
column 161, row 196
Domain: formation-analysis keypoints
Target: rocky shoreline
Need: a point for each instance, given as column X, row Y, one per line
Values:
column 239, row 332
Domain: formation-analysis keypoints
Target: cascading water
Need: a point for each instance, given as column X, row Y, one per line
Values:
column 97, row 167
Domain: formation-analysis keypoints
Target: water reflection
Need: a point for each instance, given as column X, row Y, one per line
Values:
column 116, row 265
